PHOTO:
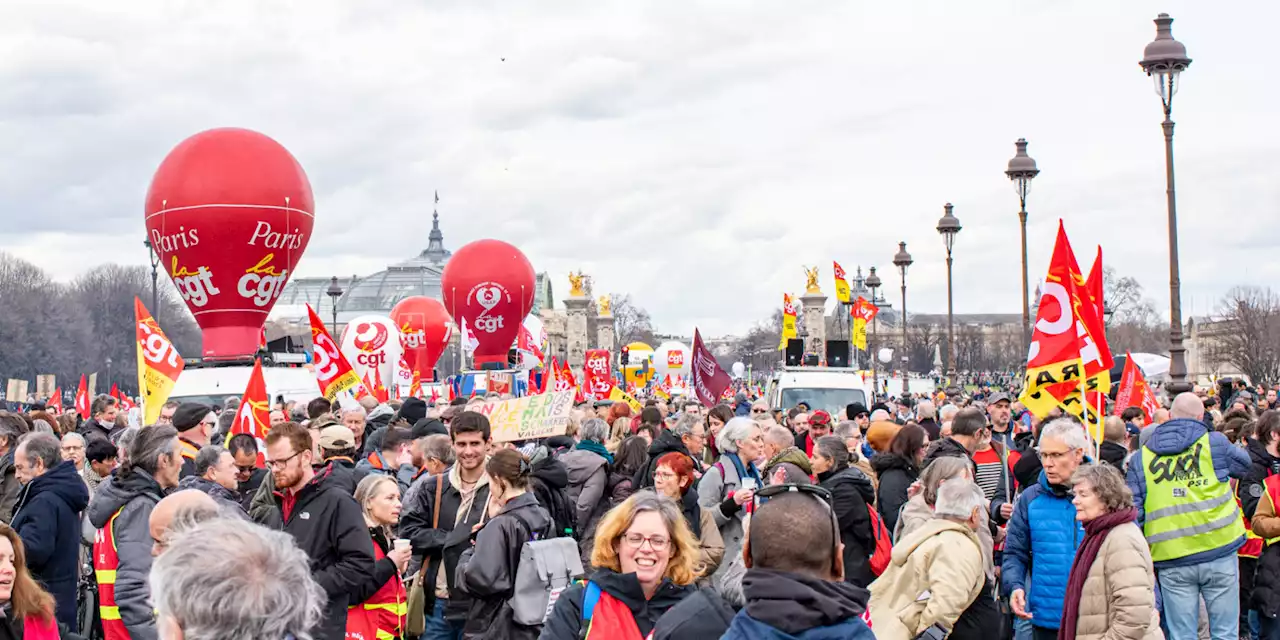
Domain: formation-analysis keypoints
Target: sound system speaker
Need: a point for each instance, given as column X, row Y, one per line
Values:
column 837, row 353
column 795, row 352
column 811, row 360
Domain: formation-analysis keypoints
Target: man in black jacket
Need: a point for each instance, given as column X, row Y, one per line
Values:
column 438, row 522
column 323, row 518
column 103, row 422
column 666, row 442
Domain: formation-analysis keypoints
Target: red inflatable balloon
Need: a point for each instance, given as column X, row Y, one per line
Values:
column 229, row 212
column 489, row 284
column 424, row 325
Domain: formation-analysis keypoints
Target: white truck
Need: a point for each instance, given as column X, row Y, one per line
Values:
column 828, row 388
column 212, row 383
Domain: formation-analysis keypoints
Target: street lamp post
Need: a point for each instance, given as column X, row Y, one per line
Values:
column 108, row 385
column 155, row 263
column 334, row 292
column 1164, row 60
column 949, row 226
column 1021, row 170
column 902, row 260
column 873, row 283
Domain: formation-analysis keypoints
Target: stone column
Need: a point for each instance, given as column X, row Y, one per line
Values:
column 604, row 332
column 576, row 332
column 815, row 324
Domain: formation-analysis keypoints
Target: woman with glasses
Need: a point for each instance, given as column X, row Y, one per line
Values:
column 382, row 598
column 645, row 562
column 487, row 571
column 673, row 478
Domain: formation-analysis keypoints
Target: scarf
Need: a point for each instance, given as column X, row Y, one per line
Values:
column 596, row 448
column 744, row 472
column 1095, row 532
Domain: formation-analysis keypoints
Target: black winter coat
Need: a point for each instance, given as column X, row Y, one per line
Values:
column 443, row 545
column 1113, row 454
column 565, row 622
column 701, row 616
column 665, row 443
column 487, row 571
column 1251, row 487
column 345, row 474
column 47, row 518
column 329, row 527
column 851, row 497
column 895, row 474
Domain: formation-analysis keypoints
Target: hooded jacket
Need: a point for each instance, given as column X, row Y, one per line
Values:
column 548, row 483
column 441, row 547
column 134, row 496
column 346, row 473
column 227, row 499
column 941, row 559
column 791, row 459
column 790, row 606
column 47, row 518
column 329, row 527
column 487, row 571
column 1118, row 600
column 94, row 429
column 377, row 463
column 1251, row 488
column 9, row 487
column 1113, row 454
column 1040, row 548
column 915, row 514
column 896, row 475
column 588, row 479
column 852, row 497
column 665, row 443
column 1174, row 437
column 565, row 621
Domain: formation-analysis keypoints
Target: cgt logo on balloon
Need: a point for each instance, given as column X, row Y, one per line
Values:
column 194, row 287
column 260, row 283
column 488, row 295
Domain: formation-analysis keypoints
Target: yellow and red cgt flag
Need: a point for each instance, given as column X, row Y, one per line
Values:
column 1134, row 390
column 842, row 283
column 863, row 312
column 158, row 364
column 254, row 415
column 788, row 320
column 333, row 373
column 1068, row 361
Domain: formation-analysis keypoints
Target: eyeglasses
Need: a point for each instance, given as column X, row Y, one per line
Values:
column 251, row 468
column 1055, row 456
column 636, row 541
column 663, row 474
column 759, row 411
column 280, row 464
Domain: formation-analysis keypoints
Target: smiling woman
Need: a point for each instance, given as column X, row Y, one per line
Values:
column 31, row 606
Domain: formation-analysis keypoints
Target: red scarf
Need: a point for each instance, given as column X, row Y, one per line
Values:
column 1095, row 532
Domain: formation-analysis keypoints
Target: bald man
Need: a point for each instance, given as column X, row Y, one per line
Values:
column 1180, row 481
column 177, row 510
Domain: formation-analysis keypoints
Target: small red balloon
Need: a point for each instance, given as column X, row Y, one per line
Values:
column 489, row 284
column 426, row 329
column 229, row 212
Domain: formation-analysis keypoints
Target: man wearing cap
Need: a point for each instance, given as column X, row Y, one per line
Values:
column 602, row 408
column 194, row 423
column 338, row 448
column 998, row 409
column 819, row 425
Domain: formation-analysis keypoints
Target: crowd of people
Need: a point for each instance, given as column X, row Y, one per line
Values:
column 958, row 515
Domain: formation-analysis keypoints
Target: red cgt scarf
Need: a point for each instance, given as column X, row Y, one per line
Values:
column 1095, row 532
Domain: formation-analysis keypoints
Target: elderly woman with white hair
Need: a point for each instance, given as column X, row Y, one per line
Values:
column 936, row 571
column 729, row 485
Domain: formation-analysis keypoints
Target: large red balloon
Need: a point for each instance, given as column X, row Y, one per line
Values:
column 229, row 212
column 425, row 327
column 489, row 284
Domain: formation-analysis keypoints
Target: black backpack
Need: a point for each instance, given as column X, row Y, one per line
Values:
column 557, row 504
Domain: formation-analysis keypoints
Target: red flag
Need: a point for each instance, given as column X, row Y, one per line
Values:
column 254, row 415
column 1094, row 286
column 379, row 387
column 82, row 398
column 55, row 401
column 435, row 395
column 115, row 392
column 333, row 373
column 365, row 388
column 709, row 380
column 596, row 381
column 126, row 404
column 1134, row 390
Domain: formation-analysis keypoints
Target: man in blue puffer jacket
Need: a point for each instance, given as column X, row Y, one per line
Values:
column 1043, row 532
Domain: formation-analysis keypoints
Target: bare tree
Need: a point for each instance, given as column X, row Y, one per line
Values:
column 923, row 339
column 1135, row 324
column 631, row 322
column 1250, row 339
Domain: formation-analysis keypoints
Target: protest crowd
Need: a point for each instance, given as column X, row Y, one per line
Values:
column 957, row 514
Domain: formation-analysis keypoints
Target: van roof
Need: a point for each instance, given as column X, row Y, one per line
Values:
column 820, row 378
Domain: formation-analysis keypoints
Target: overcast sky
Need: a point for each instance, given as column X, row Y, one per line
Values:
column 693, row 154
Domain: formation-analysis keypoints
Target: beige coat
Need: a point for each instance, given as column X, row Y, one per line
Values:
column 916, row 514
column 1119, row 594
column 935, row 573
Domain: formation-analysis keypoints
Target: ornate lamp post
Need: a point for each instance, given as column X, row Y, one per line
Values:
column 1164, row 60
column 155, row 263
column 1021, row 170
column 334, row 292
column 108, row 385
column 902, row 260
column 873, row 283
column 949, row 226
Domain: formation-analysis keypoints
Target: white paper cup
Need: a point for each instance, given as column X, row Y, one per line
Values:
column 401, row 543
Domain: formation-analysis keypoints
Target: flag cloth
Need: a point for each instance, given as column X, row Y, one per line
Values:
column 863, row 312
column 709, row 380
column 788, row 320
column 1134, row 390
column 55, row 401
column 1068, row 357
column 82, row 398
column 254, row 415
column 333, row 373
column 115, row 392
column 842, row 284
column 596, row 381
column 618, row 395
column 158, row 364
